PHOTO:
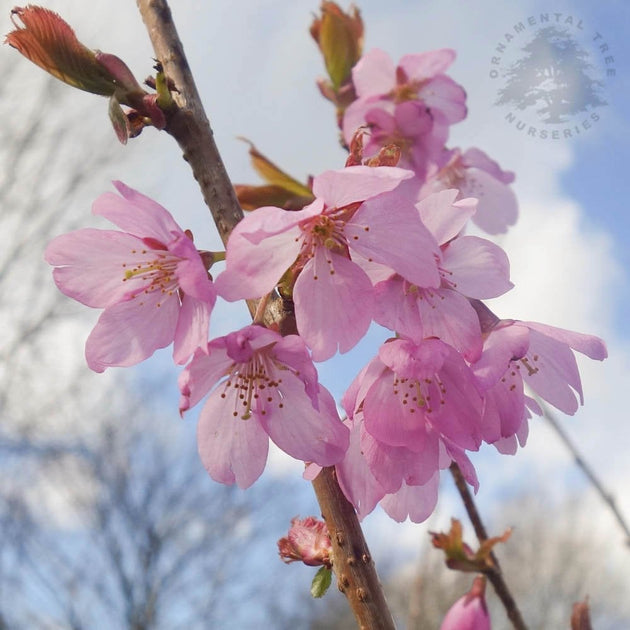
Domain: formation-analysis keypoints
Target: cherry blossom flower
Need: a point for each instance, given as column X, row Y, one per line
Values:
column 356, row 214
column 412, row 411
column 469, row 612
column 411, row 104
column 411, row 389
column 518, row 353
column 474, row 174
column 149, row 278
column 261, row 386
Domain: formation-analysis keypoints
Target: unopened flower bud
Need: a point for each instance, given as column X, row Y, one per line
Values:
column 469, row 612
column 307, row 541
column 339, row 36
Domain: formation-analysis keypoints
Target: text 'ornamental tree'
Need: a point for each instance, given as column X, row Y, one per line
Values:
column 381, row 239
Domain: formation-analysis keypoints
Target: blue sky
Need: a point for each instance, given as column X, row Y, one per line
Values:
column 255, row 68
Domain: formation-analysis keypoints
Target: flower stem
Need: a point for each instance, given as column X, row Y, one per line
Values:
column 188, row 124
column 495, row 576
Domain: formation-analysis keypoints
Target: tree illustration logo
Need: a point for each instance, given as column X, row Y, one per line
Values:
column 553, row 77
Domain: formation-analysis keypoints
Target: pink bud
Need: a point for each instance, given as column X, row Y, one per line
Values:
column 308, row 542
column 469, row 612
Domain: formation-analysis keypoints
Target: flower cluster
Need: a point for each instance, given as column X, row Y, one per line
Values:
column 381, row 240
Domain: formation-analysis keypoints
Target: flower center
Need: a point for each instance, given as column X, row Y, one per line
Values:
column 415, row 394
column 253, row 388
column 154, row 270
column 326, row 230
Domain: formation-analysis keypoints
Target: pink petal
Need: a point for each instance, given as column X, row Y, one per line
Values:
column 443, row 95
column 270, row 221
column 551, row 371
column 593, row 347
column 301, row 431
column 459, row 456
column 356, row 114
column 374, row 73
column 503, row 344
column 504, row 408
column 354, row 395
column 357, row 183
column 292, row 351
column 134, row 213
column 415, row 502
column 91, row 264
column 333, row 304
column 421, row 66
column 387, row 230
column 206, row 369
column 498, row 206
column 254, row 270
column 449, row 316
column 397, row 308
column 476, row 158
column 477, row 268
column 129, row 332
column 191, row 275
column 355, row 478
column 389, row 420
column 391, row 465
column 231, row 449
column 192, row 328
column 444, row 217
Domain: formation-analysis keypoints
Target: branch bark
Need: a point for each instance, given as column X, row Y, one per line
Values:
column 495, row 576
column 189, row 125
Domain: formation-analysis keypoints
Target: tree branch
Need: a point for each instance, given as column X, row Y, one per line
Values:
column 189, row 125
column 495, row 576
column 606, row 496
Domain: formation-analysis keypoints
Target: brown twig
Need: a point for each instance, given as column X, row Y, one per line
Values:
column 495, row 575
column 586, row 469
column 188, row 124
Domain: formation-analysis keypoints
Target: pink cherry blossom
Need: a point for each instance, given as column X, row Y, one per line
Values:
column 540, row 356
column 420, row 77
column 469, row 612
column 261, row 386
column 413, row 389
column 474, row 174
column 357, row 214
column 149, row 279
column 411, row 105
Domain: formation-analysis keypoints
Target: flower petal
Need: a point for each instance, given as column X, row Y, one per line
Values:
column 357, row 183
column 374, row 73
column 302, row 431
column 132, row 331
column 91, row 264
column 333, row 304
column 137, row 214
column 254, row 270
column 231, row 449
column 388, row 230
column 415, row 502
column 477, row 268
column 192, row 328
